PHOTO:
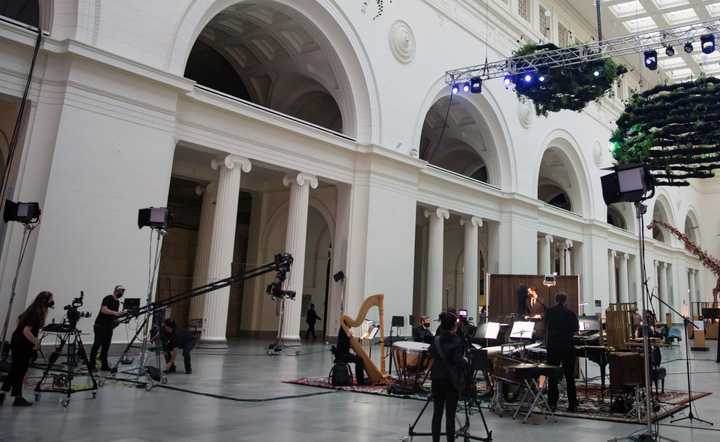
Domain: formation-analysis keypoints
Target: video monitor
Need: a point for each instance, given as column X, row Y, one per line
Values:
column 522, row 330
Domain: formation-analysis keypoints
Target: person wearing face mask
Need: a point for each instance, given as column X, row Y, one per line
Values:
column 104, row 324
column 24, row 344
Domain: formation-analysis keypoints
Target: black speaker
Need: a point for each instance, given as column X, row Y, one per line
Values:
column 339, row 276
column 398, row 321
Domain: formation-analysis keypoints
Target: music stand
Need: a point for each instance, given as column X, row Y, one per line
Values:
column 522, row 330
column 395, row 322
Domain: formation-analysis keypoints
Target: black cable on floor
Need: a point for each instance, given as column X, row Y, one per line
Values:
column 230, row 398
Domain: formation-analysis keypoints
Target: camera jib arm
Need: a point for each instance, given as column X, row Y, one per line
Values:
column 281, row 265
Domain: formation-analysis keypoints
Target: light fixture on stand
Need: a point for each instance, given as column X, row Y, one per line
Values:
column 634, row 184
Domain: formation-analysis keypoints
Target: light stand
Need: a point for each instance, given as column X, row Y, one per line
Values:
column 279, row 345
column 27, row 231
column 648, row 434
column 686, row 322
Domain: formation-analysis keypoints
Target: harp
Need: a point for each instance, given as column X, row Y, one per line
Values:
column 375, row 376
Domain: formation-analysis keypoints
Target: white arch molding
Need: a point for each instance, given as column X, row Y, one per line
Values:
column 695, row 222
column 490, row 113
column 564, row 142
column 349, row 56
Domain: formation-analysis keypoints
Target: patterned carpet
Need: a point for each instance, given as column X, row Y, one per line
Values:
column 591, row 405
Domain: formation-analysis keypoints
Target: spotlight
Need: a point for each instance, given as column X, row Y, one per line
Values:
column 476, row 85
column 455, row 89
column 651, row 60
column 528, row 78
column 154, row 217
column 466, row 87
column 688, row 48
column 507, row 80
column 596, row 73
column 707, row 43
column 669, row 51
column 26, row 213
column 541, row 78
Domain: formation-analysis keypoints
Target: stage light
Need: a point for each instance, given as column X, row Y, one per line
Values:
column 541, row 78
column 476, row 85
column 154, row 217
column 627, row 184
column 651, row 60
column 466, row 87
column 707, row 43
column 596, row 73
column 688, row 48
column 669, row 51
column 528, row 78
column 455, row 89
column 507, row 80
column 26, row 213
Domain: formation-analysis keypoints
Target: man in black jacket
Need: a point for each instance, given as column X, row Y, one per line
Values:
column 104, row 325
column 174, row 337
column 447, row 354
column 562, row 324
column 422, row 332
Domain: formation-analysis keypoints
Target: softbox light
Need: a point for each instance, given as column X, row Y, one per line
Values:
column 154, row 217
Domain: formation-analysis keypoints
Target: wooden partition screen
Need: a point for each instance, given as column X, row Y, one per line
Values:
column 502, row 289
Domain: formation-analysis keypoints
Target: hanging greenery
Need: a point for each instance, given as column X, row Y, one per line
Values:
column 674, row 130
column 564, row 88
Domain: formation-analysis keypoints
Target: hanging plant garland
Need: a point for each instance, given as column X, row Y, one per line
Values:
column 564, row 88
column 674, row 130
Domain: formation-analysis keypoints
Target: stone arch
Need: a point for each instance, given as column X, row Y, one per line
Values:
column 329, row 27
column 487, row 112
column 691, row 227
column 662, row 211
column 563, row 147
column 623, row 214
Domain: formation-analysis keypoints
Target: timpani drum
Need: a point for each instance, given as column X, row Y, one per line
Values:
column 413, row 361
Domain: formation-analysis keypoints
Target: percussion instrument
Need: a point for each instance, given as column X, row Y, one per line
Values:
column 413, row 361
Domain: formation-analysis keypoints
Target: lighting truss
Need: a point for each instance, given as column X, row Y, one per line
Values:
column 553, row 58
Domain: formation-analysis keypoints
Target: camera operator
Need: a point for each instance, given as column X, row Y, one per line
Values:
column 104, row 325
column 24, row 344
column 447, row 355
column 174, row 337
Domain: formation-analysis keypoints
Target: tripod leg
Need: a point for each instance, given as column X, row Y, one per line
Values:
column 411, row 432
column 128, row 347
column 53, row 358
column 84, row 359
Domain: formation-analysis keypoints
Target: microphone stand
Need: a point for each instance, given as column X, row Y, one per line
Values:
column 686, row 321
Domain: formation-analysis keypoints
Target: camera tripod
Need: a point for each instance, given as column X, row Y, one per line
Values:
column 71, row 342
column 463, row 432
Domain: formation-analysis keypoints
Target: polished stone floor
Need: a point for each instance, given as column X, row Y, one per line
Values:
column 245, row 374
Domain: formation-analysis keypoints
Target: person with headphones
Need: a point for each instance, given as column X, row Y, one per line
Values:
column 104, row 325
column 24, row 344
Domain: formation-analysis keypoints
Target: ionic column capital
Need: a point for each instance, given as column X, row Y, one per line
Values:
column 300, row 180
column 625, row 257
column 230, row 161
column 472, row 220
column 549, row 239
column 200, row 189
column 613, row 254
column 439, row 213
column 568, row 244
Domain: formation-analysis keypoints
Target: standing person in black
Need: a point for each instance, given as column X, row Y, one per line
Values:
column 562, row 324
column 447, row 353
column 23, row 345
column 174, row 337
column 104, row 325
column 311, row 318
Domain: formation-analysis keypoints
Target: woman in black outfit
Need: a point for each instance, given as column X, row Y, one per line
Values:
column 447, row 353
column 23, row 343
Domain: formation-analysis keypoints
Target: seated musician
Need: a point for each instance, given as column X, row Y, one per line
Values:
column 343, row 354
column 562, row 324
column 422, row 332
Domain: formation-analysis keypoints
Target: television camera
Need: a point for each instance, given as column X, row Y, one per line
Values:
column 73, row 313
column 282, row 261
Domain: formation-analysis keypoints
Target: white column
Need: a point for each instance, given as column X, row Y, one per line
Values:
column 663, row 292
column 222, row 247
column 546, row 254
column 470, row 273
column 202, row 253
column 696, row 285
column 295, row 240
column 568, row 257
column 691, row 290
column 624, row 283
column 433, row 305
column 611, row 274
